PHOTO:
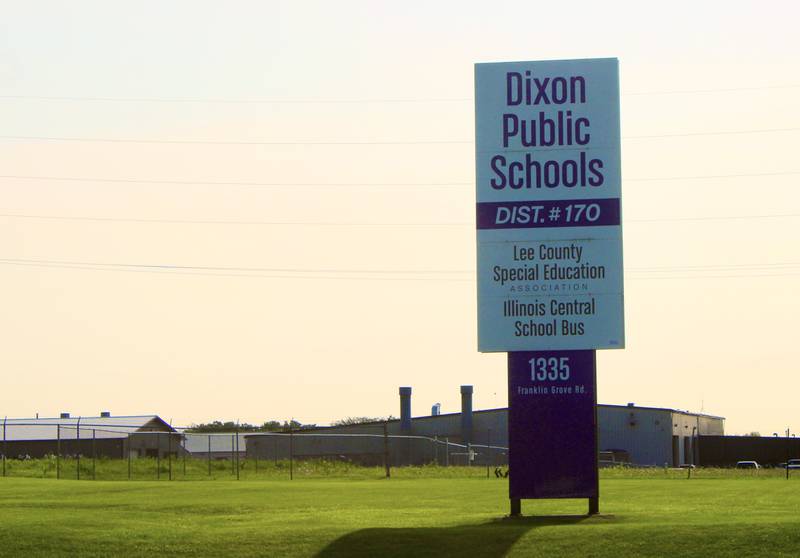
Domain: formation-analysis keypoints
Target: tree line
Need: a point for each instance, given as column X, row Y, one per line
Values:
column 275, row 425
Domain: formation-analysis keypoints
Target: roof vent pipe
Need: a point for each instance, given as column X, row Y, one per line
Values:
column 405, row 408
column 466, row 414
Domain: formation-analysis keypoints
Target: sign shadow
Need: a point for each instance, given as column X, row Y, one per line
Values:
column 485, row 540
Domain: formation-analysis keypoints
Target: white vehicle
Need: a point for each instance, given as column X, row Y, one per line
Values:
column 747, row 465
column 793, row 464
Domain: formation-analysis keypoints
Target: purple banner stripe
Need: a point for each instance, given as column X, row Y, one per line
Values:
column 548, row 214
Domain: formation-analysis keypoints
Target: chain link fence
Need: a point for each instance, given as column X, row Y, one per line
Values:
column 118, row 452
column 95, row 451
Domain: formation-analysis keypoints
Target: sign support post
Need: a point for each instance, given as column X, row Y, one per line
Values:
column 594, row 501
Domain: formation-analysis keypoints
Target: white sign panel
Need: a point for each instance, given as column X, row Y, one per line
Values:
column 548, row 205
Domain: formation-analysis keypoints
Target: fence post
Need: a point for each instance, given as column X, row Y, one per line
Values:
column 436, row 450
column 208, row 456
column 237, row 454
column 447, row 452
column 78, row 438
column 58, row 452
column 291, row 453
column 488, row 449
column 183, row 439
column 788, row 453
column 386, row 450
column 94, row 454
column 158, row 455
column 169, row 454
column 5, row 445
column 232, row 455
column 275, row 439
column 255, row 449
column 129, row 456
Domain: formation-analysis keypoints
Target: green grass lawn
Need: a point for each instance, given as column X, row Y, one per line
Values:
column 411, row 514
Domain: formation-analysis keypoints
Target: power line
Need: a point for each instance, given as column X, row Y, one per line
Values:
column 233, row 142
column 710, row 176
column 177, row 100
column 206, row 268
column 223, row 222
column 167, row 271
column 715, row 267
column 350, row 223
column 740, row 276
column 717, row 133
column 172, row 267
column 716, row 218
column 356, row 143
column 355, row 184
column 720, row 90
column 357, row 278
column 237, row 183
column 240, row 101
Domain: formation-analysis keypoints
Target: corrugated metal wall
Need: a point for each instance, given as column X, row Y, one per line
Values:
column 646, row 434
column 485, row 425
column 725, row 451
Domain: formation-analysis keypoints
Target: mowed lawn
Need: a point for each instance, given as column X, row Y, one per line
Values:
column 396, row 517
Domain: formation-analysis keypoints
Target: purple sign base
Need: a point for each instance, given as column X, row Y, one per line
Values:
column 552, row 425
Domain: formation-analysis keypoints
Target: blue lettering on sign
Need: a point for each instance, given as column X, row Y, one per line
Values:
column 529, row 90
column 544, row 131
column 550, row 174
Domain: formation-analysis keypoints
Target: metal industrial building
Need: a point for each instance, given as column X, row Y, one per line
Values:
column 214, row 445
column 104, row 435
column 646, row 436
column 639, row 435
column 656, row 436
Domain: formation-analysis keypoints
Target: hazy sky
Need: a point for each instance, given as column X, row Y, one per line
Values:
column 311, row 165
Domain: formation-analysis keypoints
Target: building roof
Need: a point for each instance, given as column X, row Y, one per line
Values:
column 83, row 427
column 505, row 409
column 666, row 409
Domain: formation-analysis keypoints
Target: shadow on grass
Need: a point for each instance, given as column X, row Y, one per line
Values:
column 485, row 540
